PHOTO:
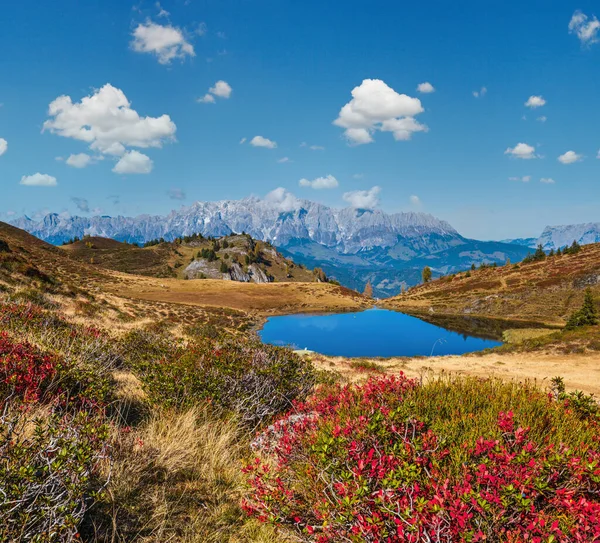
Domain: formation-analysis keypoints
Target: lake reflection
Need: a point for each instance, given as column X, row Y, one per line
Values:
column 372, row 333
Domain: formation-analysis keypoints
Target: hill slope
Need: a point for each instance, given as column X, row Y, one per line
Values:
column 545, row 291
column 234, row 257
column 351, row 245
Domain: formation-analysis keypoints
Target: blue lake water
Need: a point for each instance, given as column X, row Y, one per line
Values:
column 371, row 333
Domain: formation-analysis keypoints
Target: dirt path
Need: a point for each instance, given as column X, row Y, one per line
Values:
column 579, row 371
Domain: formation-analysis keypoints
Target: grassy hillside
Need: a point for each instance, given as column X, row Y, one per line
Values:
column 237, row 257
column 546, row 291
column 139, row 409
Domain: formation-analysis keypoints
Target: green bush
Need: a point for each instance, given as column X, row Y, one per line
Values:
column 253, row 380
column 49, row 475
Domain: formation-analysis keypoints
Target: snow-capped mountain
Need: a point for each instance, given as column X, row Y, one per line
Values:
column 348, row 230
column 351, row 245
column 554, row 237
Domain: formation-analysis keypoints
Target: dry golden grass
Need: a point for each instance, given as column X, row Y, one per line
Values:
column 546, row 292
column 580, row 371
column 266, row 299
column 177, row 478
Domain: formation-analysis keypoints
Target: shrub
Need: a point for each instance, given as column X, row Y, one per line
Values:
column 255, row 381
column 450, row 461
column 586, row 315
column 49, row 475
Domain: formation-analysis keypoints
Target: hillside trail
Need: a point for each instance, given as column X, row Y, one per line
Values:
column 579, row 371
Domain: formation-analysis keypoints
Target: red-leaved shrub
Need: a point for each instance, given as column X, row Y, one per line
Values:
column 383, row 462
column 24, row 371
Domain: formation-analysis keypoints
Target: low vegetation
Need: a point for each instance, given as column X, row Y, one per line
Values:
column 451, row 460
column 129, row 419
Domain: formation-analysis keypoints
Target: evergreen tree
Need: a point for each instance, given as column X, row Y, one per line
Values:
column 587, row 315
column 224, row 268
column 473, row 266
column 558, row 252
column 539, row 253
column 426, row 274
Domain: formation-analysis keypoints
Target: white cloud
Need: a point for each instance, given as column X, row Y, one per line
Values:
column 221, row 89
column 521, row 150
column 363, row 199
column 3, row 146
column 82, row 204
column 81, row 160
column 535, row 101
column 425, row 87
column 283, row 160
column 598, row 155
column 358, row 175
column 547, row 180
column 259, row 141
column 542, row 119
column 376, row 106
column 166, row 42
column 242, row 141
column 524, row 179
column 480, row 93
column 415, row 200
column 207, row 99
column 161, row 12
column 327, row 182
column 284, row 200
column 38, row 180
column 176, row 194
column 584, row 28
column 570, row 157
column 106, row 121
column 133, row 162
column 317, row 148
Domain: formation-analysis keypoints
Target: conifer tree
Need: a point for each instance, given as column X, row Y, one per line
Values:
column 426, row 274
column 587, row 315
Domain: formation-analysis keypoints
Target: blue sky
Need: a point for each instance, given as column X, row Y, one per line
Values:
column 288, row 69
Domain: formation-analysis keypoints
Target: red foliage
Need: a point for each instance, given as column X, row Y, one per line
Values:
column 350, row 466
column 24, row 370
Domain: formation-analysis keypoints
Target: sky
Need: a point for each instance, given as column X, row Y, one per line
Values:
column 484, row 114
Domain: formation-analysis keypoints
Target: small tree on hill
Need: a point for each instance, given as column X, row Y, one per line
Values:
column 368, row 290
column 587, row 315
column 473, row 267
column 539, row 253
column 224, row 268
column 426, row 274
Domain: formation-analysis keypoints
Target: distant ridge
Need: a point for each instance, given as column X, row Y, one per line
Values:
column 351, row 245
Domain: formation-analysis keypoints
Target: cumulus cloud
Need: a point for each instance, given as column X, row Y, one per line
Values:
column 259, row 141
column 221, row 89
column 176, row 194
column 81, row 160
column 38, row 180
column 133, row 162
column 547, row 180
column 283, row 199
column 106, row 121
column 521, row 150
column 480, row 93
column 570, row 157
column 3, row 146
column 166, row 42
column 535, row 101
column 585, row 28
column 81, row 203
column 524, row 179
column 376, row 106
column 327, row 182
column 425, row 87
column 363, row 199
column 415, row 200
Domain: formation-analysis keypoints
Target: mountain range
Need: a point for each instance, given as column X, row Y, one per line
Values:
column 354, row 246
